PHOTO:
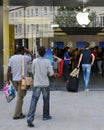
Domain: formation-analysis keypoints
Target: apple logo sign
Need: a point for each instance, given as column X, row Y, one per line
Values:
column 82, row 18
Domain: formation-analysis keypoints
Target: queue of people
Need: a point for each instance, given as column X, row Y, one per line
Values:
column 42, row 69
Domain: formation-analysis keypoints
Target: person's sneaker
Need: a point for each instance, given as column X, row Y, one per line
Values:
column 19, row 117
column 47, row 118
column 30, row 124
column 86, row 90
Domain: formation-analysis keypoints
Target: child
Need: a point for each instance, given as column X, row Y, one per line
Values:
column 55, row 67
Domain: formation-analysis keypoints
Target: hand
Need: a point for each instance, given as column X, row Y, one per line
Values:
column 77, row 67
column 26, row 50
column 7, row 82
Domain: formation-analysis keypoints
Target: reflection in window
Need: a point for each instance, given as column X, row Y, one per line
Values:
column 36, row 11
column 32, row 12
column 20, row 13
column 51, row 8
column 45, row 10
column 37, row 28
column 28, row 14
column 28, row 28
column 102, row 21
column 16, row 14
column 16, row 29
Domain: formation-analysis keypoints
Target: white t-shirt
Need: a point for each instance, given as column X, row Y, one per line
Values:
column 15, row 62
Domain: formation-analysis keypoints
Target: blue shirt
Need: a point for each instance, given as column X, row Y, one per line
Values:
column 66, row 55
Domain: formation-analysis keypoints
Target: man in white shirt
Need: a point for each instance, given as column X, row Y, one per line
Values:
column 15, row 67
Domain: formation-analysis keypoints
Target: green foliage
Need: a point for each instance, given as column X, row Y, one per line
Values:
column 66, row 17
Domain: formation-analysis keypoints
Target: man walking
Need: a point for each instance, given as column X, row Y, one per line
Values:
column 41, row 69
column 15, row 67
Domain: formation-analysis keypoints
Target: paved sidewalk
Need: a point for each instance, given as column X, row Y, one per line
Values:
column 70, row 111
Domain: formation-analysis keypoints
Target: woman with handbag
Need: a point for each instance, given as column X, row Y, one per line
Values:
column 87, row 59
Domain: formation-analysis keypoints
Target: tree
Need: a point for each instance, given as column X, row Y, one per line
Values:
column 66, row 17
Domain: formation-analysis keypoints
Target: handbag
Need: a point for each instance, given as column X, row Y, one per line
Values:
column 27, row 81
column 9, row 91
column 75, row 72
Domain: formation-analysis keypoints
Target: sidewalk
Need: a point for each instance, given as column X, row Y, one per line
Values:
column 70, row 111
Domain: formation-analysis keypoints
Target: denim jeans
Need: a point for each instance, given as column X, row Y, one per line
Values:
column 35, row 96
column 86, row 74
column 99, row 64
column 66, row 72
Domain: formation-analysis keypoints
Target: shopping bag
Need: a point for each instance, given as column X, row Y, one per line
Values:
column 9, row 91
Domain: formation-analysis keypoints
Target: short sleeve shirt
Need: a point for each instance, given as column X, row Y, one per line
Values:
column 15, row 62
column 86, row 59
column 66, row 55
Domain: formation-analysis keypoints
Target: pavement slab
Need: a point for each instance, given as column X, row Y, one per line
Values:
column 70, row 111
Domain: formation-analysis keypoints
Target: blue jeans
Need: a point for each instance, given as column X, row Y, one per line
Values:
column 66, row 72
column 35, row 96
column 99, row 64
column 86, row 74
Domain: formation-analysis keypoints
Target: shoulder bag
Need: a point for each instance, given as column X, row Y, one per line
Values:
column 27, row 81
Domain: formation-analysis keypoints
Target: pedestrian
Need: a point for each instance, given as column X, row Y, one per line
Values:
column 55, row 67
column 15, row 68
column 67, row 63
column 99, row 61
column 94, row 67
column 41, row 69
column 87, row 59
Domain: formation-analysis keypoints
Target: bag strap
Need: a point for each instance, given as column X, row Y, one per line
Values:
column 78, row 72
column 23, row 66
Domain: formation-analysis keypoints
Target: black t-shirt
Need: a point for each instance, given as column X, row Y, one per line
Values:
column 86, row 59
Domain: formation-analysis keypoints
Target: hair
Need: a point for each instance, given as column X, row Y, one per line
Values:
column 55, row 59
column 87, row 44
column 42, row 51
column 66, row 48
column 20, row 49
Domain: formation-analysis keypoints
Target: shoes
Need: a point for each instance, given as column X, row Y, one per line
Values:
column 30, row 124
column 86, row 90
column 47, row 118
column 66, row 81
column 19, row 117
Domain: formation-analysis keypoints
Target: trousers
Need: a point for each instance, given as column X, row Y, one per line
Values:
column 20, row 96
column 35, row 97
column 86, row 74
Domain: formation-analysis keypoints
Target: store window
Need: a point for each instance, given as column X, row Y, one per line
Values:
column 102, row 21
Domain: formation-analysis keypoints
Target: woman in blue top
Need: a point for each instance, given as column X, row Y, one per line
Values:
column 67, row 62
column 87, row 58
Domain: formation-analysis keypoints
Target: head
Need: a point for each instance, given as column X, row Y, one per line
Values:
column 55, row 59
column 67, row 49
column 87, row 45
column 20, row 50
column 42, row 51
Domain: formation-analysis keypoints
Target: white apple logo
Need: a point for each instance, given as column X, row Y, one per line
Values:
column 82, row 18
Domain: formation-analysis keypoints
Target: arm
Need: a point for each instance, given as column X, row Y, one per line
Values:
column 80, row 59
column 29, row 52
column 93, row 59
column 50, row 69
column 67, row 58
column 8, row 74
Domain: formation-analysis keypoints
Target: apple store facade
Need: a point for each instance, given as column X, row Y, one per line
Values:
column 49, row 23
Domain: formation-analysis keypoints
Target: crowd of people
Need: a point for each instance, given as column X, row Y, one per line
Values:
column 87, row 59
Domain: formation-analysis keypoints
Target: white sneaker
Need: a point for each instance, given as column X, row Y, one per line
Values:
column 86, row 90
